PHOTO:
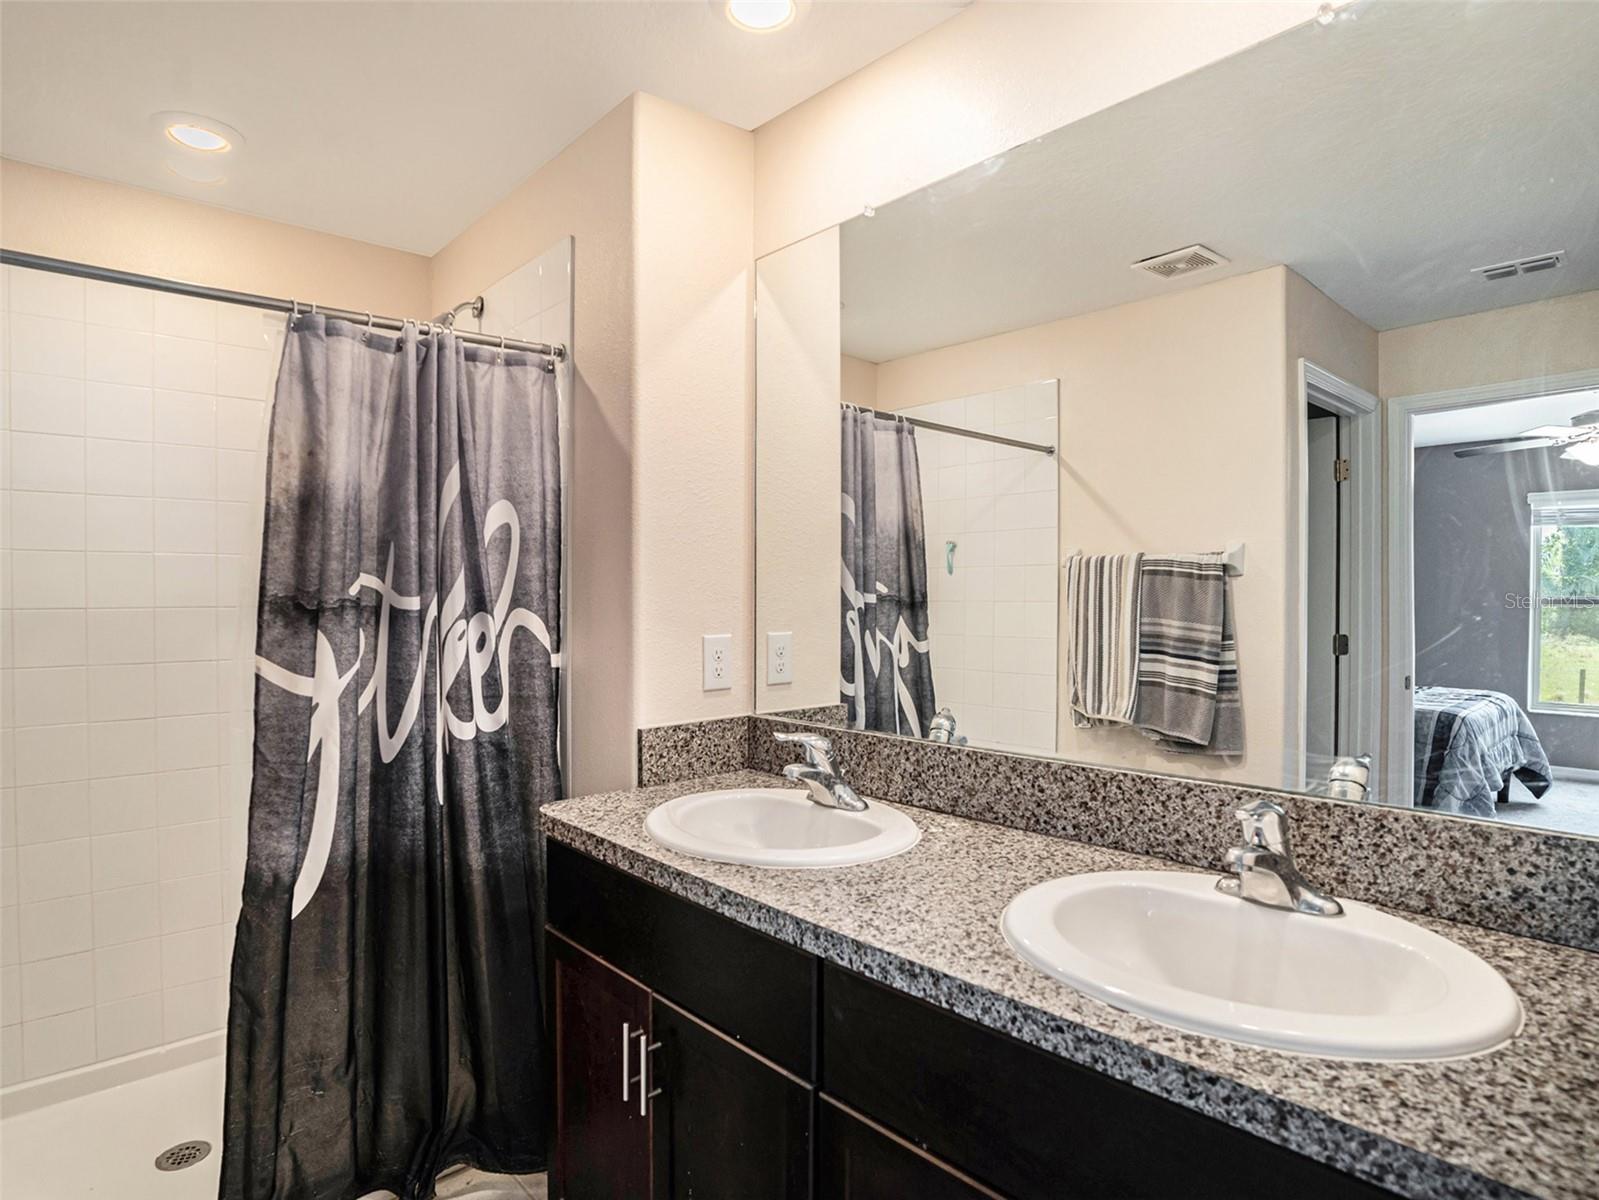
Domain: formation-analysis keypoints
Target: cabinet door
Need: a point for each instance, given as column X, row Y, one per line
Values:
column 859, row 1161
column 729, row 1125
column 602, row 1139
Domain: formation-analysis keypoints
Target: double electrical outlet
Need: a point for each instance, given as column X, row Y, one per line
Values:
column 717, row 660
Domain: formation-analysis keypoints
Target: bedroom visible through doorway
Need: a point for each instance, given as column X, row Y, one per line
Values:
column 1502, row 526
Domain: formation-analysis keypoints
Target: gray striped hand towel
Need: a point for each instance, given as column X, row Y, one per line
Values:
column 1188, row 697
column 1102, row 600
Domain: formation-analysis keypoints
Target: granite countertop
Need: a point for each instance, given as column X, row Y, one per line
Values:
column 1520, row 1121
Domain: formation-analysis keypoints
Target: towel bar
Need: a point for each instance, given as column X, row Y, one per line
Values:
column 1232, row 558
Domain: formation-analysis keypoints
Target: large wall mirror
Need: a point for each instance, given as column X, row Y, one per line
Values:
column 1247, row 430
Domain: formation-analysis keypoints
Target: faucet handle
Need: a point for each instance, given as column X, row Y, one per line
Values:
column 1265, row 825
column 817, row 749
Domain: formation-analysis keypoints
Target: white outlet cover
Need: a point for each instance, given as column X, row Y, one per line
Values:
column 779, row 657
column 718, row 662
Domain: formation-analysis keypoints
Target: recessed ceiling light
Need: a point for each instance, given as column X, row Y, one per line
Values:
column 198, row 137
column 760, row 16
column 193, row 138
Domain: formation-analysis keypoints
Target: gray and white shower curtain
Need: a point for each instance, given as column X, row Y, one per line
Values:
column 385, row 1018
column 886, row 675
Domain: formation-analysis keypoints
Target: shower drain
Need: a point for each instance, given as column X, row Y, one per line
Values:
column 184, row 1154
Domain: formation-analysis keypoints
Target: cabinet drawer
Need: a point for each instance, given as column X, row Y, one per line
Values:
column 859, row 1161
column 728, row 1125
column 752, row 987
column 1031, row 1125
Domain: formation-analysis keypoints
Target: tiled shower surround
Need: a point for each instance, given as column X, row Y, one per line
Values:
column 133, row 425
column 131, row 474
column 991, row 515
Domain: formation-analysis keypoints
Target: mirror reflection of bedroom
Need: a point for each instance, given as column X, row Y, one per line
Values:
column 1505, row 593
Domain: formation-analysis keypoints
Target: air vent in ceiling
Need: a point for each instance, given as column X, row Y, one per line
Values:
column 1180, row 262
column 1522, row 266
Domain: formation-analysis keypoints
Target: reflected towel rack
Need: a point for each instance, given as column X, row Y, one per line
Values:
column 1232, row 558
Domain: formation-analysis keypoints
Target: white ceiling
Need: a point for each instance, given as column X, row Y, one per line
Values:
column 1507, row 419
column 397, row 123
column 1381, row 157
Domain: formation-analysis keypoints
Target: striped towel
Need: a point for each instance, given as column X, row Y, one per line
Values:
column 1102, row 600
column 1188, row 697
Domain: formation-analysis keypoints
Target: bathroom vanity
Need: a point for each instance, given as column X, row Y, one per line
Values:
column 717, row 1060
column 724, row 1030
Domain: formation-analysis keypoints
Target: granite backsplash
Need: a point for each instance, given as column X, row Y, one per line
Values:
column 1520, row 880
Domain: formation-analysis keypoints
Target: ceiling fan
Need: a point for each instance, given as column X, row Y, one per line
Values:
column 1580, row 438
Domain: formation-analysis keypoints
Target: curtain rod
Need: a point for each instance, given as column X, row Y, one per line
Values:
column 60, row 266
column 955, row 429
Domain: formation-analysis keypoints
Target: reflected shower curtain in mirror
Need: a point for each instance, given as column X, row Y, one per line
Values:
column 385, row 1018
column 886, row 675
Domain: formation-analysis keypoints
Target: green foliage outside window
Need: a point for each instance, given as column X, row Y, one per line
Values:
column 1568, row 615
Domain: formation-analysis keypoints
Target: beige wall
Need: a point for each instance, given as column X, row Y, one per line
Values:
column 586, row 191
column 111, row 225
column 1329, row 336
column 658, row 201
column 858, row 381
column 797, row 467
column 1529, row 341
column 694, row 409
column 1174, row 429
column 988, row 79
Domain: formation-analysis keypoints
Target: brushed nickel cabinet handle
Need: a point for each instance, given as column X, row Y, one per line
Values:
column 627, row 1039
column 645, row 1093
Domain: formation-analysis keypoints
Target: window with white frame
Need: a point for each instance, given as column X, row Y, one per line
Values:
column 1564, row 674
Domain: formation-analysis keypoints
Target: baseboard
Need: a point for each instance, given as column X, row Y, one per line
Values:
column 81, row 1081
column 1576, row 774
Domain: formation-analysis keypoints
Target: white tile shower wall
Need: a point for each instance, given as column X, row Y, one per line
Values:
column 992, row 516
column 534, row 302
column 131, row 433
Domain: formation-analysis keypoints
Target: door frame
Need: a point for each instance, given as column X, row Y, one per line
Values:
column 1364, row 624
column 1398, row 778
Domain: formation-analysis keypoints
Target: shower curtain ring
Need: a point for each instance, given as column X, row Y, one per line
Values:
column 367, row 336
column 501, row 356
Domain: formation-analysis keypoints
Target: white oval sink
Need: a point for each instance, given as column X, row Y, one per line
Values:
column 1169, row 946
column 778, row 827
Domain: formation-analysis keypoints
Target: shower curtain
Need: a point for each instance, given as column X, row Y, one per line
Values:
column 886, row 675
column 385, row 1018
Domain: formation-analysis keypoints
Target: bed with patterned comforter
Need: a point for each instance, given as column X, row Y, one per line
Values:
column 1468, row 745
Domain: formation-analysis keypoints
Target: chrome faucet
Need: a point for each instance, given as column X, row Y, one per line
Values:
column 1263, row 870
column 942, row 729
column 819, row 774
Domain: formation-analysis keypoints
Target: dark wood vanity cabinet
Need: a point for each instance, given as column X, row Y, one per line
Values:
column 722, row 1019
column 602, row 1148
column 783, row 1078
column 652, row 1102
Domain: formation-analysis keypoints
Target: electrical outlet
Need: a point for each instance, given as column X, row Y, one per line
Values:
column 718, row 662
column 779, row 658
